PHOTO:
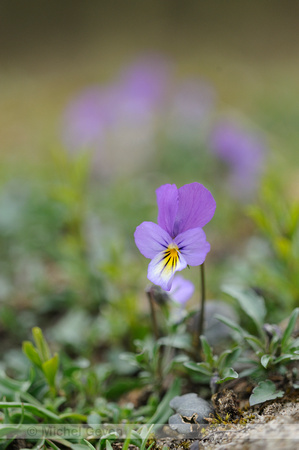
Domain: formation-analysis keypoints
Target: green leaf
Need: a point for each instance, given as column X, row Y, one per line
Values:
column 31, row 353
column 264, row 391
column 228, row 374
column 50, row 369
column 182, row 341
column 228, row 358
column 41, row 344
column 89, row 445
column 52, row 445
column 284, row 358
column 265, row 359
column 207, row 350
column 37, row 410
column 134, row 438
column 199, row 367
column 254, row 342
column 289, row 329
column 164, row 411
column 108, row 446
column 251, row 303
column 294, row 344
column 230, row 323
column 10, row 387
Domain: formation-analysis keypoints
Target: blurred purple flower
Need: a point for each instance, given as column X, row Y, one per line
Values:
column 181, row 290
column 145, row 83
column 85, row 119
column 242, row 151
column 178, row 239
column 191, row 105
column 119, row 119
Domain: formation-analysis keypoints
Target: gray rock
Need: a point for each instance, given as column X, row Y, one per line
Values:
column 215, row 331
column 191, row 411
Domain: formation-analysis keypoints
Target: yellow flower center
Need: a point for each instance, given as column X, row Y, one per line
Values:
column 171, row 257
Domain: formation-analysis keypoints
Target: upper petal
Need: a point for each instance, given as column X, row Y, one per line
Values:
column 167, row 199
column 161, row 269
column 196, row 207
column 193, row 246
column 151, row 239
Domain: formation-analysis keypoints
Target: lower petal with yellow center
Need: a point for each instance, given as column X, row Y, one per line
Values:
column 164, row 265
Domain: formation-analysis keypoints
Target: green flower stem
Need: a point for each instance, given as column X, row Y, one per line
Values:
column 153, row 312
column 199, row 327
column 203, row 300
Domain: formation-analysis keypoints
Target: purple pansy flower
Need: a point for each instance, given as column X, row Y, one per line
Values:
column 244, row 153
column 178, row 239
column 86, row 118
column 181, row 290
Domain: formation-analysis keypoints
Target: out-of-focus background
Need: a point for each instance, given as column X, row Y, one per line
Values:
column 100, row 104
column 247, row 50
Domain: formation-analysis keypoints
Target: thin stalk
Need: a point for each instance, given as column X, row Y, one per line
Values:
column 199, row 327
column 202, row 301
column 153, row 313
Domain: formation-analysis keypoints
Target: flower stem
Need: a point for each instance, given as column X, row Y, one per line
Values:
column 199, row 325
column 153, row 312
column 202, row 301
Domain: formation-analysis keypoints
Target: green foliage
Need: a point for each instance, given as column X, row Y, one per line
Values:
column 69, row 264
column 251, row 304
column 272, row 348
column 41, row 357
column 264, row 391
column 215, row 369
column 277, row 219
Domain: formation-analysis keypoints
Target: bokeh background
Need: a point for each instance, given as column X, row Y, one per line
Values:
column 51, row 50
column 150, row 81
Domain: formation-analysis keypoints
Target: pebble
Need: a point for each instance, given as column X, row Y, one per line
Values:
column 191, row 411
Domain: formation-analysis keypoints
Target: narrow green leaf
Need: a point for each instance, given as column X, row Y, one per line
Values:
column 264, row 391
column 39, row 444
column 228, row 358
column 289, row 329
column 207, row 350
column 251, row 303
column 134, row 438
column 164, row 411
column 199, row 367
column 283, row 358
column 37, row 410
column 254, row 342
column 89, row 445
column 41, row 344
column 31, row 353
column 51, row 444
column 108, row 445
column 230, row 323
column 50, row 369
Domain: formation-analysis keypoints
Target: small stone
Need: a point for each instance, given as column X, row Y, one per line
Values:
column 194, row 446
column 191, row 411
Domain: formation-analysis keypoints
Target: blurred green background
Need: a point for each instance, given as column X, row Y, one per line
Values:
column 69, row 262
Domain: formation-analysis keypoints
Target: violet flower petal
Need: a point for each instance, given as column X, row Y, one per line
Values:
column 161, row 269
column 196, row 207
column 193, row 246
column 167, row 199
column 151, row 239
column 181, row 290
